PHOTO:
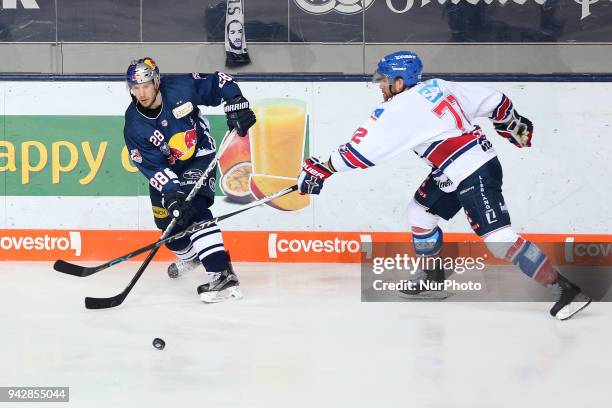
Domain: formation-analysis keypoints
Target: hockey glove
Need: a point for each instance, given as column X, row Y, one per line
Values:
column 239, row 115
column 517, row 129
column 182, row 211
column 313, row 175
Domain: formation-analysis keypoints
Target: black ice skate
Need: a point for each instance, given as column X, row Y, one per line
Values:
column 569, row 300
column 223, row 286
column 427, row 284
column 180, row 267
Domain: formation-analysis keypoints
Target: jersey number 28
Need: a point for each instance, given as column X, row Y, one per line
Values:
column 159, row 179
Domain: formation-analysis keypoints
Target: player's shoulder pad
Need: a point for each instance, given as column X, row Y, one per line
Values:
column 176, row 81
column 199, row 75
column 432, row 89
column 177, row 87
column 431, row 83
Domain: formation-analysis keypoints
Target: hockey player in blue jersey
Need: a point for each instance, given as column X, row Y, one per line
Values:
column 169, row 141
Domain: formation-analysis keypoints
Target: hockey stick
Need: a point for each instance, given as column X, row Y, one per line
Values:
column 105, row 303
column 72, row 269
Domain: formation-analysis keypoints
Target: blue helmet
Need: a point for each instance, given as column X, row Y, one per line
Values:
column 404, row 64
column 141, row 71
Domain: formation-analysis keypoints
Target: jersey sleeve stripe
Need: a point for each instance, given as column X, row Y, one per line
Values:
column 348, row 163
column 503, row 109
column 353, row 160
column 359, row 155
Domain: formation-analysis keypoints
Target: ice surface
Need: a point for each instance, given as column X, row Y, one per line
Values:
column 300, row 338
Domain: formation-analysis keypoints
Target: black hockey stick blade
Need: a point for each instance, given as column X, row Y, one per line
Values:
column 105, row 303
column 82, row 271
column 75, row 270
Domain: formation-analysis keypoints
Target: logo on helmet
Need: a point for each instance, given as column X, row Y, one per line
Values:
column 141, row 71
column 150, row 63
column 339, row 6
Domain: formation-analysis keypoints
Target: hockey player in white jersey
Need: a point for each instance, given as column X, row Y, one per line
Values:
column 434, row 118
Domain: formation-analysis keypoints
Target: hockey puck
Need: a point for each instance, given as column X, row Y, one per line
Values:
column 159, row 343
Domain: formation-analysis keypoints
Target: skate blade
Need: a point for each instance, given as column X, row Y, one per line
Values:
column 570, row 310
column 426, row 295
column 232, row 293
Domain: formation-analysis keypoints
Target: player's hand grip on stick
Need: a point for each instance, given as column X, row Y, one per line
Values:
column 179, row 208
column 239, row 115
column 313, row 175
column 104, row 303
column 517, row 129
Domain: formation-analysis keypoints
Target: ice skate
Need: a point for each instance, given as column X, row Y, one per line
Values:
column 426, row 285
column 223, row 286
column 180, row 267
column 569, row 300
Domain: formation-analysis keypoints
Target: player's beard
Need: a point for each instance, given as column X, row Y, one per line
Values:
column 153, row 100
column 387, row 93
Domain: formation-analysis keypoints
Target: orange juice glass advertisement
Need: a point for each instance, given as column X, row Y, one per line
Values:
column 277, row 150
column 278, row 137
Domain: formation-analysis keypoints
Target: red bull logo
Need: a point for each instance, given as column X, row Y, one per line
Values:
column 183, row 145
column 191, row 138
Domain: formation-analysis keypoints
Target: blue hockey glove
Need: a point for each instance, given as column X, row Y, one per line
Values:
column 239, row 115
column 313, row 175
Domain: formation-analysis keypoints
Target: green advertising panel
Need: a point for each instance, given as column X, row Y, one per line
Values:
column 71, row 156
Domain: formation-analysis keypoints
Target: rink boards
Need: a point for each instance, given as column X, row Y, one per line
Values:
column 70, row 190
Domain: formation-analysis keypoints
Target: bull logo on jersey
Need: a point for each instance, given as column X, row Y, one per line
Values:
column 340, row 6
column 182, row 145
